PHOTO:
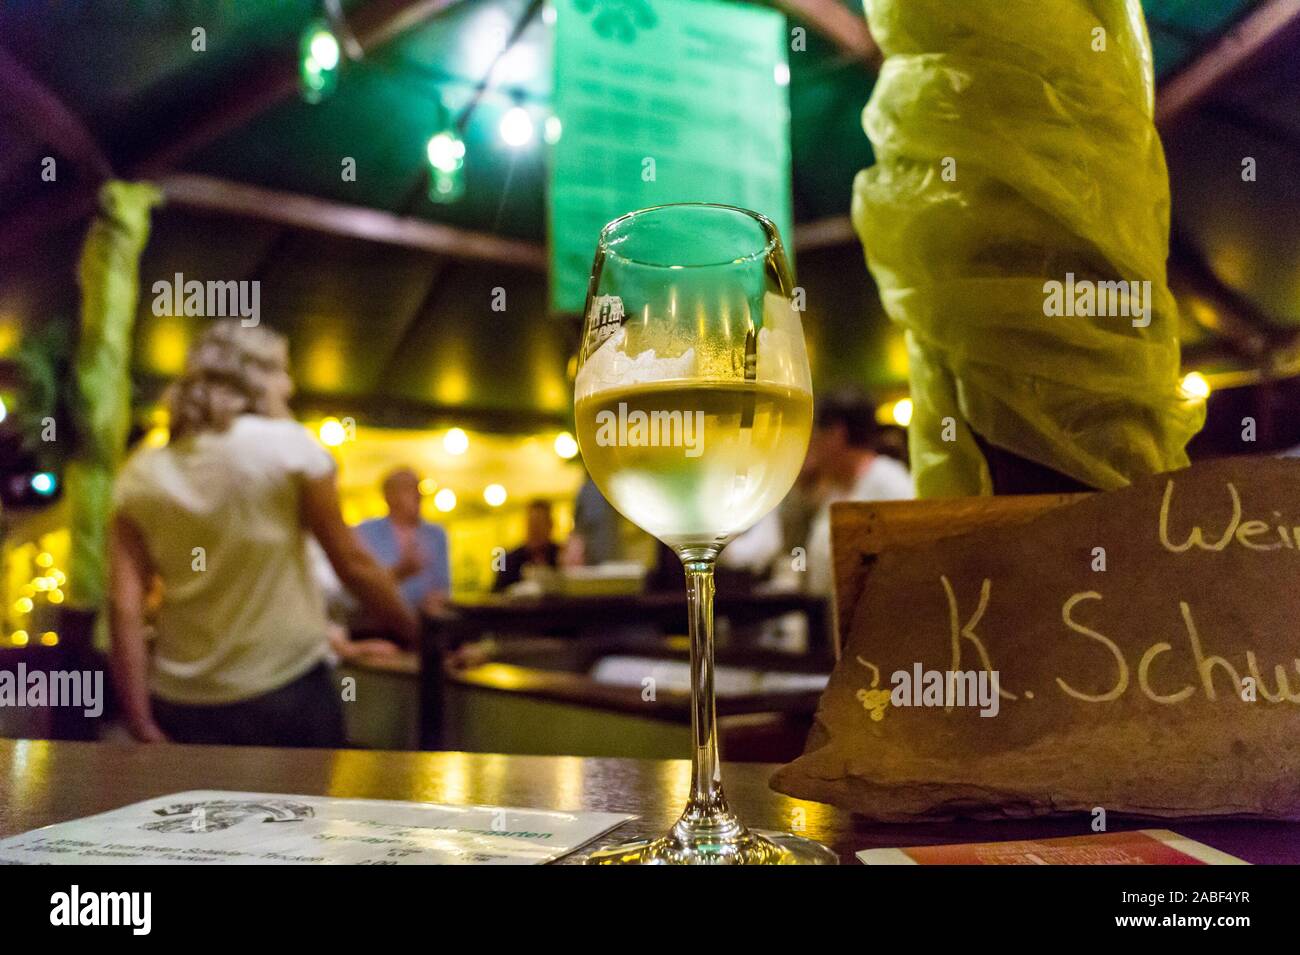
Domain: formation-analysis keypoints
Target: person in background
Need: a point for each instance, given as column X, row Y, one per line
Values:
column 414, row 550
column 595, row 537
column 218, row 520
column 538, row 548
column 842, row 465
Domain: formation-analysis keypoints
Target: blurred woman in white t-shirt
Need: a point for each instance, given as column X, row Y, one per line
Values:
column 220, row 516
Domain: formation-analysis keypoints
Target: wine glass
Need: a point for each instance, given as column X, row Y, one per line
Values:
column 693, row 406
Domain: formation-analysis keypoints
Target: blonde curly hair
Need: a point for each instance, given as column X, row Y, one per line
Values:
column 229, row 371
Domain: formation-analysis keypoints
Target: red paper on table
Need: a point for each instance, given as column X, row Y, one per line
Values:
column 1141, row 847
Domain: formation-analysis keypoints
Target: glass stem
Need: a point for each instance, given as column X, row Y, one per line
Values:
column 707, row 817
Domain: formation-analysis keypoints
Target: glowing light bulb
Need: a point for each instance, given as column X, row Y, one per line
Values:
column 428, row 486
column 495, row 495
column 445, row 500
column 516, row 127
column 456, row 441
column 446, row 151
column 324, row 48
column 318, row 62
column 332, row 432
column 565, row 445
column 902, row 412
column 1194, row 386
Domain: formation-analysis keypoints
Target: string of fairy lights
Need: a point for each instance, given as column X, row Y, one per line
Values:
column 37, row 602
column 325, row 48
column 333, row 433
column 327, row 45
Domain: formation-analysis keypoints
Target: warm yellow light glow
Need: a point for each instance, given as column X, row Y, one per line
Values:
column 332, row 432
column 59, row 577
column 49, row 638
column 565, row 445
column 42, row 584
column 45, row 559
column 8, row 336
column 157, row 437
column 495, row 495
column 353, row 513
column 456, row 441
column 902, row 412
column 18, row 638
column 168, row 343
column 23, row 605
column 428, row 486
column 445, row 500
column 56, row 596
column 453, row 384
column 324, row 364
column 896, row 358
column 1194, row 386
column 552, row 392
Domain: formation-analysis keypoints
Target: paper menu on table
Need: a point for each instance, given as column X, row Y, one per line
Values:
column 1140, row 847
column 210, row 827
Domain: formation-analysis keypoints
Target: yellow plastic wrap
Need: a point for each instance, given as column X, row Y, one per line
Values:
column 109, row 265
column 1015, row 147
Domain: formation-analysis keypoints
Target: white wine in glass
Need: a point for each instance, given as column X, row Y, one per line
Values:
column 694, row 406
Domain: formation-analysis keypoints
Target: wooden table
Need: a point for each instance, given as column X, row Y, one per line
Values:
column 467, row 620
column 572, row 617
column 44, row 782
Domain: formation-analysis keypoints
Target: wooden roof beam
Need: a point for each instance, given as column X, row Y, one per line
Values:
column 373, row 25
column 1270, row 25
column 48, row 120
column 1233, row 318
column 837, row 23
column 207, row 194
column 824, row 233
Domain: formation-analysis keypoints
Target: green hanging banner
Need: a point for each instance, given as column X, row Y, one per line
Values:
column 663, row 101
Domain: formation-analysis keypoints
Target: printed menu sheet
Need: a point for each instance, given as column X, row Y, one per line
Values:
column 1143, row 847
column 210, row 827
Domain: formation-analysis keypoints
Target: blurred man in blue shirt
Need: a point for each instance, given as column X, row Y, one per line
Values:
column 413, row 550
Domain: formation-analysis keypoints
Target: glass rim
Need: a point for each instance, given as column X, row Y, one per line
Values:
column 768, row 226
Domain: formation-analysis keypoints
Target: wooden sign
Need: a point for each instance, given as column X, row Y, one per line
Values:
column 1136, row 651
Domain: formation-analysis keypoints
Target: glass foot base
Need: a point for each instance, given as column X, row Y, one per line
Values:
column 754, row 847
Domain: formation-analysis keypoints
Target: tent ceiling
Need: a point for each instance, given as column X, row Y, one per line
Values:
column 398, row 328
